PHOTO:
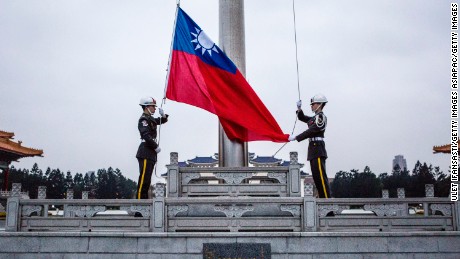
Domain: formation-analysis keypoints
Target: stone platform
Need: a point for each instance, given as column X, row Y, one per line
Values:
column 283, row 245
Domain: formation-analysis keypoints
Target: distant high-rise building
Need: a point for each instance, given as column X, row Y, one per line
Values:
column 401, row 161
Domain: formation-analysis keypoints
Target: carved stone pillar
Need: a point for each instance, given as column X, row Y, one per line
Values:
column 69, row 194
column 385, row 194
column 429, row 190
column 42, row 195
column 173, row 180
column 309, row 210
column 294, row 176
column 308, row 190
column 157, row 220
column 401, row 193
column 41, row 192
column 12, row 209
column 16, row 190
column 84, row 195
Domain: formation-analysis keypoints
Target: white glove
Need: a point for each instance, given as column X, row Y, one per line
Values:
column 158, row 150
column 299, row 104
column 291, row 138
column 162, row 113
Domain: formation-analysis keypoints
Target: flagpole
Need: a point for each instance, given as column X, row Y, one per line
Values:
column 232, row 42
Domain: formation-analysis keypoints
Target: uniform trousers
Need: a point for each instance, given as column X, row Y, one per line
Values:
column 318, row 170
column 145, row 177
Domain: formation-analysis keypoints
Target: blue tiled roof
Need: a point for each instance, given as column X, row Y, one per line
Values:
column 285, row 163
column 266, row 159
column 203, row 160
column 183, row 164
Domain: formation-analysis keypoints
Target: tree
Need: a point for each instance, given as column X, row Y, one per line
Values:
column 398, row 179
column 356, row 184
column 78, row 185
column 421, row 174
column 55, row 185
column 341, row 186
column 365, row 184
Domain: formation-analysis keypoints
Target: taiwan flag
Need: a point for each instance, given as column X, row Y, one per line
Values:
column 200, row 74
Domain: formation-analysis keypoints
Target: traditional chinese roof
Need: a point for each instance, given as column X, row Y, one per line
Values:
column 266, row 159
column 443, row 149
column 4, row 134
column 183, row 164
column 206, row 161
column 12, row 151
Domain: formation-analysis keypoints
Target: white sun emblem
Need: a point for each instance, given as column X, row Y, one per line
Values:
column 204, row 42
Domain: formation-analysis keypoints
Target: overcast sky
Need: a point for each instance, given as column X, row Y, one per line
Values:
column 72, row 73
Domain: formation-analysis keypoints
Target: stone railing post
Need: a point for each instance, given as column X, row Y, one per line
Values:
column 157, row 219
column 429, row 190
column 13, row 209
column 309, row 209
column 84, row 195
column 42, row 195
column 294, row 176
column 173, row 180
column 385, row 194
column 402, row 195
column 69, row 196
column 429, row 193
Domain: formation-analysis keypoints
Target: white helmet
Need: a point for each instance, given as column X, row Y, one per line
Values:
column 319, row 98
column 147, row 101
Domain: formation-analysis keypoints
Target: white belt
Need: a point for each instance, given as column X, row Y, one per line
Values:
column 317, row 139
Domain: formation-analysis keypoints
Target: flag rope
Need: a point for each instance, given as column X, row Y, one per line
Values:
column 163, row 101
column 298, row 78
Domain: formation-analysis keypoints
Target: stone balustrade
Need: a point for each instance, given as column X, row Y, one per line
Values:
column 179, row 214
column 277, row 181
column 233, row 200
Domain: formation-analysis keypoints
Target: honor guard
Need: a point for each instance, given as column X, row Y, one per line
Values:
column 317, row 154
column 148, row 149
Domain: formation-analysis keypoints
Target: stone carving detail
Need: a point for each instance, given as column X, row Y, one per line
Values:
column 29, row 209
column 308, row 189
column 142, row 209
column 16, row 190
column 173, row 210
column 293, row 209
column 445, row 209
column 69, row 195
column 85, row 210
column 385, row 194
column 84, row 195
column 429, row 190
column 159, row 190
column 281, row 177
column 401, row 193
column 233, row 178
column 294, row 158
column 233, row 210
column 174, row 158
column 384, row 209
column 323, row 210
column 41, row 192
column 187, row 177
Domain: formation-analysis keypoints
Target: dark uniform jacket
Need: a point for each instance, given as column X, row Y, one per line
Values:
column 316, row 128
column 148, row 129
